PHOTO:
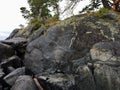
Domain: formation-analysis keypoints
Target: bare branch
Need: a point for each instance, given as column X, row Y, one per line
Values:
column 38, row 84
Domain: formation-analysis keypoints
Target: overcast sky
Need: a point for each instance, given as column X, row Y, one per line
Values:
column 10, row 15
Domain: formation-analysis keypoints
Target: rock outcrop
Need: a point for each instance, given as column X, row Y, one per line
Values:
column 79, row 53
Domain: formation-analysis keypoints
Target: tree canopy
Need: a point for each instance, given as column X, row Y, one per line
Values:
column 41, row 8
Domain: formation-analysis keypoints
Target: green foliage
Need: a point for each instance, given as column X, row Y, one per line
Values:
column 25, row 12
column 39, row 13
column 102, row 12
column 55, row 17
column 40, row 8
column 36, row 22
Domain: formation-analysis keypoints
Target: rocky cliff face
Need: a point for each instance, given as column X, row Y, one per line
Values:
column 80, row 53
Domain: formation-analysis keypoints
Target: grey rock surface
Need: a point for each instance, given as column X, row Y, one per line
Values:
column 24, row 83
column 106, row 51
column 46, row 52
column 12, row 77
column 79, row 53
column 62, row 43
column 60, row 81
column 63, row 48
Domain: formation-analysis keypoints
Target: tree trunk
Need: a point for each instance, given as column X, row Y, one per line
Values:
column 116, row 5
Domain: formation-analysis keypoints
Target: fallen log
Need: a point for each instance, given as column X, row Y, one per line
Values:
column 38, row 84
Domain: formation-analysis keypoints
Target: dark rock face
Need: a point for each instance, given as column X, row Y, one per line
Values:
column 54, row 53
column 24, row 83
column 50, row 50
column 19, row 45
column 80, row 53
column 63, row 43
column 64, row 49
column 8, row 65
column 1, row 73
column 59, row 46
column 13, row 61
column 6, row 51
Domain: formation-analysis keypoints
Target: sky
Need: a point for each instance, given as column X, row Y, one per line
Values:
column 11, row 17
column 78, row 8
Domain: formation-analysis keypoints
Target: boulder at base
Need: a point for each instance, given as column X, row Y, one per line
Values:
column 12, row 77
column 24, row 83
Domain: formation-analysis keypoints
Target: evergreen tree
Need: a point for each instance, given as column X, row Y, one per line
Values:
column 40, row 8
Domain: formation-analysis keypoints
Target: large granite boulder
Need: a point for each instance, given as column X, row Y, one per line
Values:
column 49, row 51
column 63, row 48
column 69, row 40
